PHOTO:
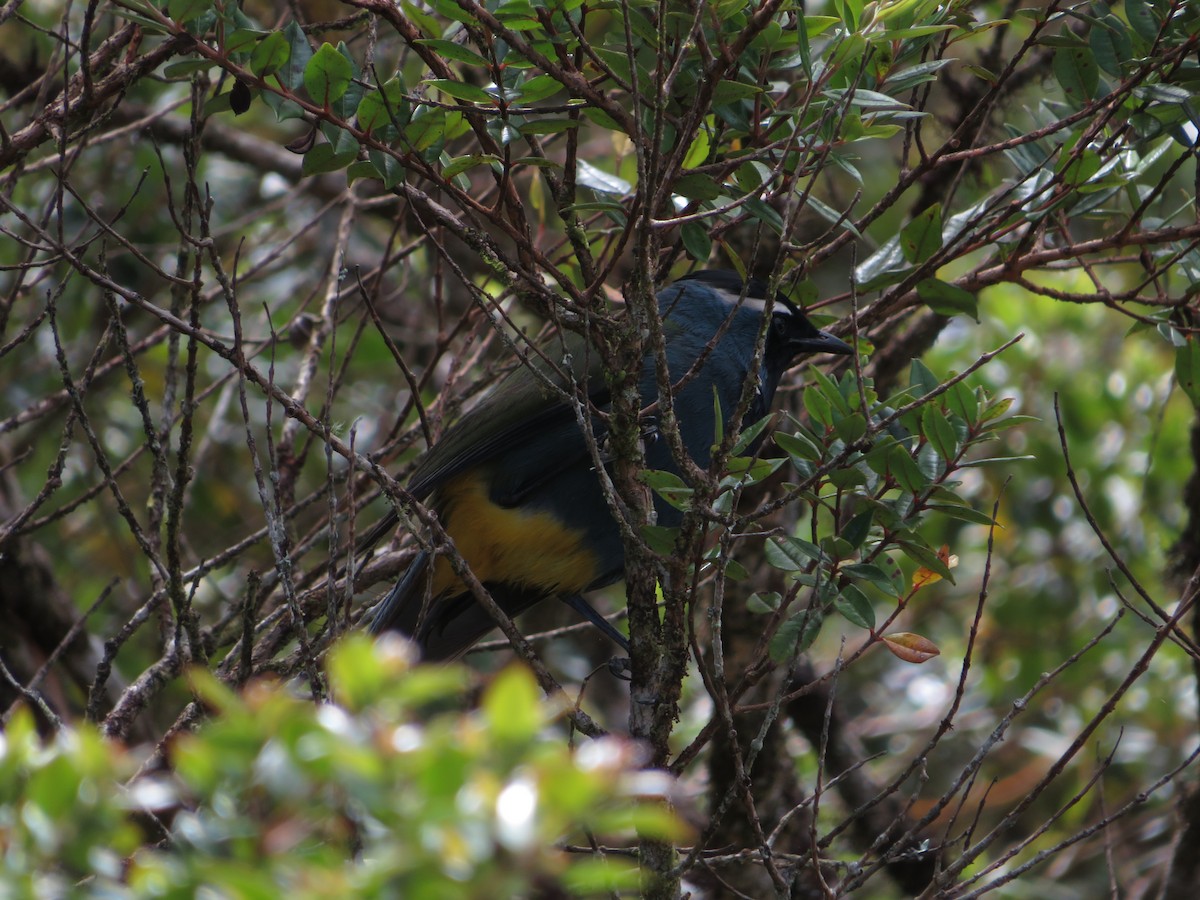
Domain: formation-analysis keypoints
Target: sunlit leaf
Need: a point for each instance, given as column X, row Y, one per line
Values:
column 598, row 180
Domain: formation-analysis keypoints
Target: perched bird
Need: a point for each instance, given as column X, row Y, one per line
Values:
column 514, row 482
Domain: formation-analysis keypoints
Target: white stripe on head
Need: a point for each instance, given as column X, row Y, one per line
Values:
column 747, row 301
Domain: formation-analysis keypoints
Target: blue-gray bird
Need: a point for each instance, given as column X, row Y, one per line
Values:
column 514, row 484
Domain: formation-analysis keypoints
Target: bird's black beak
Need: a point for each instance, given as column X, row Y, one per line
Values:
column 821, row 342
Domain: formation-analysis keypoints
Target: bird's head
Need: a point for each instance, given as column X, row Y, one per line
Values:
column 791, row 333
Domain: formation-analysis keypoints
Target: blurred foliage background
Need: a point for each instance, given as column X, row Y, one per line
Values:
column 256, row 257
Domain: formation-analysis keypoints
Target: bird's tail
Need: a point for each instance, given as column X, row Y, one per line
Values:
column 401, row 608
column 448, row 624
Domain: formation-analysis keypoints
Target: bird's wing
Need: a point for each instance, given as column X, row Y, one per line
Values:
column 520, row 408
column 523, row 406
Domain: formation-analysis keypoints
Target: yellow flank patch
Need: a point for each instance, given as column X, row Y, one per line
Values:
column 509, row 546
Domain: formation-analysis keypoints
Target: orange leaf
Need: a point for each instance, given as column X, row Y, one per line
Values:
column 924, row 576
column 911, row 648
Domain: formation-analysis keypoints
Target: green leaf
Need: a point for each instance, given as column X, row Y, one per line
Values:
column 385, row 106
column 947, row 299
column 598, row 180
column 184, row 11
column 849, row 11
column 982, row 72
column 903, row 468
column 241, row 42
column 995, row 460
column 1076, row 70
column 1169, row 94
column 390, row 169
column 940, row 433
column 817, row 405
column 697, row 187
column 150, row 26
column 697, row 153
column 187, row 67
column 460, row 90
column 1142, row 18
column 850, row 427
column 426, row 128
column 766, row 602
column 327, row 75
column 538, row 88
column 864, row 99
column 669, row 486
column 962, row 400
column 452, row 50
column 848, row 479
column 291, row 75
column 831, row 215
column 271, row 54
column 798, row 446
column 512, row 706
column 346, row 105
column 962, row 513
column 463, row 163
column 696, row 241
column 795, row 635
column 877, row 575
column 854, row 606
column 660, row 538
column 858, row 528
column 924, row 555
column 217, row 104
column 791, row 554
column 430, row 26
column 731, row 91
column 1187, row 368
column 1110, row 44
column 361, row 169
column 922, row 237
column 326, row 158
column 547, row 126
column 921, row 378
column 996, row 408
column 921, row 73
column 765, row 213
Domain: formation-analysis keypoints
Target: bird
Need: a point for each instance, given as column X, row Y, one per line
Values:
column 514, row 481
